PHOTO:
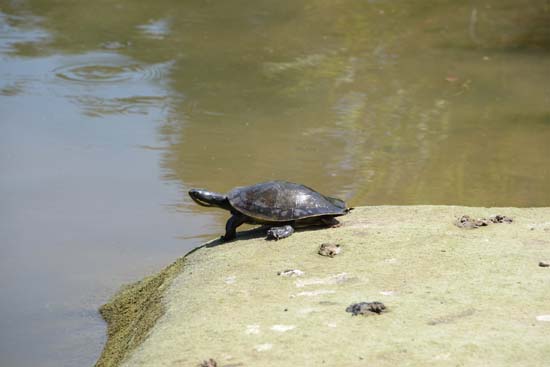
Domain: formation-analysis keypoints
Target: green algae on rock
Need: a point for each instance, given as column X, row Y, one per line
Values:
column 132, row 312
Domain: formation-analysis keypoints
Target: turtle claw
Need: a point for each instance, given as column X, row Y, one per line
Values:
column 277, row 233
column 227, row 238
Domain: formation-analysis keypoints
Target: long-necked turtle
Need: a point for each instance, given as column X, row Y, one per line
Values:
column 279, row 204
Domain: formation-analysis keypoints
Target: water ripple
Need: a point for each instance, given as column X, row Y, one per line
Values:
column 95, row 106
column 110, row 73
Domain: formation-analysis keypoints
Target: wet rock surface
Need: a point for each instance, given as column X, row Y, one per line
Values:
column 246, row 303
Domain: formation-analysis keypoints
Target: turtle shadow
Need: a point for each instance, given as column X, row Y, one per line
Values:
column 259, row 232
column 252, row 233
column 249, row 234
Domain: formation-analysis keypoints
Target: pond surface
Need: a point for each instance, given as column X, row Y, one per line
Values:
column 111, row 111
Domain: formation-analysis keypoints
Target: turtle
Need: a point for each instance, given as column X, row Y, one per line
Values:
column 279, row 205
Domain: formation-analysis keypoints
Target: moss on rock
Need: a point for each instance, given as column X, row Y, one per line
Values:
column 132, row 312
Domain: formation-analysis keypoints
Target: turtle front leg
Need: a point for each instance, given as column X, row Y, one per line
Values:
column 231, row 226
column 277, row 233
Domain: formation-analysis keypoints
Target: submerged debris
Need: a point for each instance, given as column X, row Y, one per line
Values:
column 468, row 222
column 366, row 308
column 329, row 249
column 291, row 273
column 209, row 363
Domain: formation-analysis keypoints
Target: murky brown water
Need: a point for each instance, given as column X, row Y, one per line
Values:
column 110, row 111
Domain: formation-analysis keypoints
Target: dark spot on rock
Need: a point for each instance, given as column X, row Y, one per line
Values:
column 329, row 249
column 544, row 264
column 209, row 363
column 366, row 308
column 290, row 273
column 452, row 317
column 498, row 218
column 467, row 222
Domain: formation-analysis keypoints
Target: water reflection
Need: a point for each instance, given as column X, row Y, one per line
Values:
column 17, row 31
column 367, row 109
column 122, row 109
column 157, row 29
column 75, row 185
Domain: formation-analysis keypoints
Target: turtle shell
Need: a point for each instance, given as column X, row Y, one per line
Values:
column 280, row 201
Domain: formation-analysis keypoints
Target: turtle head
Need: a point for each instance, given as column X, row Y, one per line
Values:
column 208, row 198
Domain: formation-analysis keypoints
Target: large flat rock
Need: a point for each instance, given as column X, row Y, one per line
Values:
column 455, row 297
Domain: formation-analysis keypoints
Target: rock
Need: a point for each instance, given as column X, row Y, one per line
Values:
column 366, row 308
column 188, row 312
column 329, row 249
column 209, row 363
column 498, row 218
column 470, row 223
column 291, row 273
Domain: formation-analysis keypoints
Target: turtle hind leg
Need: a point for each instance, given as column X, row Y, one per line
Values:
column 277, row 233
column 330, row 222
column 231, row 226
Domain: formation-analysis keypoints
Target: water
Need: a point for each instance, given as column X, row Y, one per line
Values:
column 110, row 112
